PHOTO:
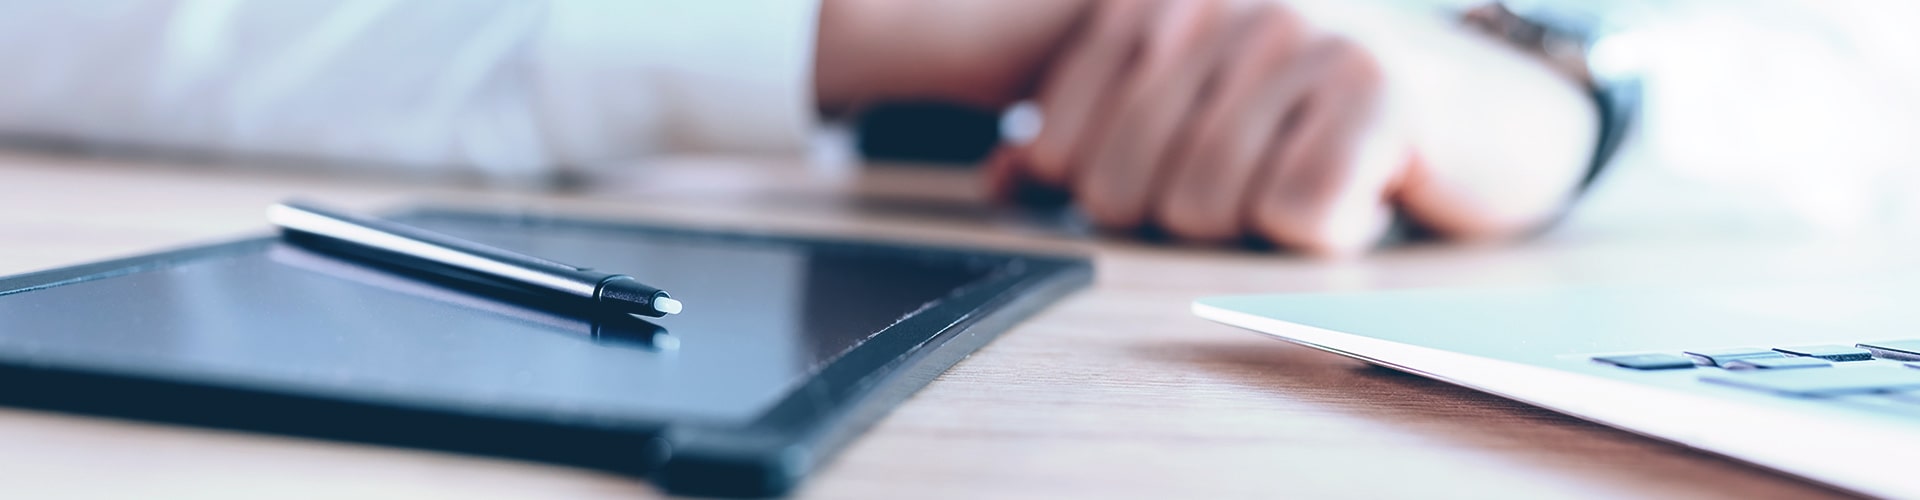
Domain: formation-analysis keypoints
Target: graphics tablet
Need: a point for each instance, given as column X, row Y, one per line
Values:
column 789, row 347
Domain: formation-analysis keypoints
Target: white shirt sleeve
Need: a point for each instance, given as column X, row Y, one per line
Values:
column 502, row 87
column 1770, row 118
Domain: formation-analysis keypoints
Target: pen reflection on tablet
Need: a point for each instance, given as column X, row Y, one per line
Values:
column 618, row 330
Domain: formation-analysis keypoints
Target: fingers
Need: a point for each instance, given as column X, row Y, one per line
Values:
column 1325, row 189
column 1216, row 123
column 1179, row 56
column 1072, row 98
column 1205, row 188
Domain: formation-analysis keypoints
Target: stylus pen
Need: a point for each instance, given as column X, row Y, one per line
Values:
column 453, row 258
column 613, row 329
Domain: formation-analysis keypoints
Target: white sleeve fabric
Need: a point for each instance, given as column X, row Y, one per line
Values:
column 499, row 87
column 1770, row 118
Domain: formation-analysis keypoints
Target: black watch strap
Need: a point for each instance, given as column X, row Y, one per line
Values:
column 1566, row 43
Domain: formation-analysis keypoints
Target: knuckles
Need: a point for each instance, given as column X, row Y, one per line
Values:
column 1276, row 19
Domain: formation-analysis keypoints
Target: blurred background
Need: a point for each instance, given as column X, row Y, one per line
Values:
column 1776, row 117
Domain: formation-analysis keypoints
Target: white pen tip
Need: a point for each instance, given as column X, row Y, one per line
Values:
column 666, row 305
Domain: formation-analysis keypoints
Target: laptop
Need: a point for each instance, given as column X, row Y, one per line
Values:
column 1818, row 381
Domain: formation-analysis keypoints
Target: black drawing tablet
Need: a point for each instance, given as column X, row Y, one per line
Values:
column 788, row 348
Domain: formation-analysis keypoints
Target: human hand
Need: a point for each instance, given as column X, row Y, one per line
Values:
column 1216, row 120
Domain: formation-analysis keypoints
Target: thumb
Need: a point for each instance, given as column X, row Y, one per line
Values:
column 1004, row 171
column 1470, row 205
column 1009, row 178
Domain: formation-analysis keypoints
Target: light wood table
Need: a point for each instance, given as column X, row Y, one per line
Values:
column 1116, row 392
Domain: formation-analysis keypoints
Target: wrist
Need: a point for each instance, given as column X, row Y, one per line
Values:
column 839, row 76
column 1502, row 139
column 981, row 52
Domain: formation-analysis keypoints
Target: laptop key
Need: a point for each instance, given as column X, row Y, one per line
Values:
column 1823, row 382
column 1778, row 363
column 1647, row 361
column 1829, row 352
column 1904, row 350
column 1720, row 357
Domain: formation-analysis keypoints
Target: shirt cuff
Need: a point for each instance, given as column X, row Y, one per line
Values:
column 617, row 80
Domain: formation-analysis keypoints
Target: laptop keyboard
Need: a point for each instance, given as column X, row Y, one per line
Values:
column 1879, row 376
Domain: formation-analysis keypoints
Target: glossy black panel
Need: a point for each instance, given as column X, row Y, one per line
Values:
column 760, row 318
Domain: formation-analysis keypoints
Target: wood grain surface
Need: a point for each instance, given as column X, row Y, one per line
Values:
column 1117, row 392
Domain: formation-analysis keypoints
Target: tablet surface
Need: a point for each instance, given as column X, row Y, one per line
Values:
column 787, row 347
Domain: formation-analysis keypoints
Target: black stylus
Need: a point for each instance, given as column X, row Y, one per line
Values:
column 454, row 258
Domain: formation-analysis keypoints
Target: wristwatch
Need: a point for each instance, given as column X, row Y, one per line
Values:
column 1582, row 46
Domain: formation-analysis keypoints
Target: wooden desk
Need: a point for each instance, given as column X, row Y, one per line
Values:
column 1116, row 393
